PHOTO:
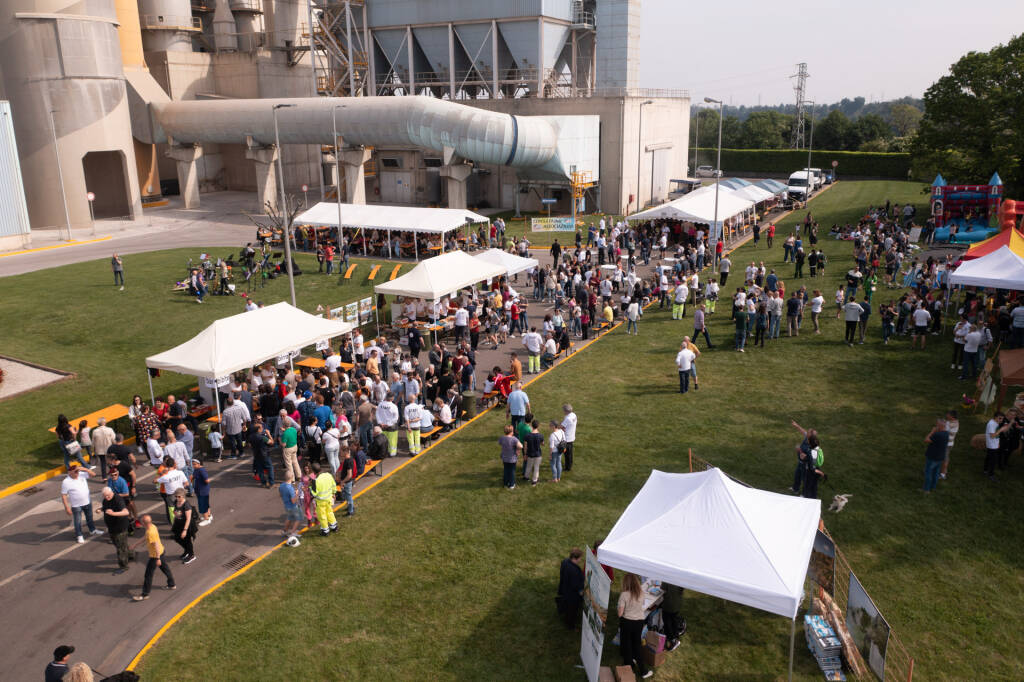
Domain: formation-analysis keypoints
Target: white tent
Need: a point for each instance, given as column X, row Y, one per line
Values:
column 1001, row 269
column 699, row 207
column 705, row 532
column 512, row 263
column 241, row 341
column 440, row 276
column 397, row 218
column 753, row 193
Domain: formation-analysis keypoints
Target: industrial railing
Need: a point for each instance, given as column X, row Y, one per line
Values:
column 255, row 6
column 582, row 19
column 641, row 92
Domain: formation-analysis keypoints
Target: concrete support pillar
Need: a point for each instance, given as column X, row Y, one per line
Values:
column 265, row 159
column 455, row 176
column 352, row 161
column 185, row 157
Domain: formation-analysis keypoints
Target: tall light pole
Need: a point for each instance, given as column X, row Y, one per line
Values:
column 718, row 165
column 337, row 164
column 696, row 140
column 60, row 173
column 639, row 150
column 810, row 146
column 285, row 220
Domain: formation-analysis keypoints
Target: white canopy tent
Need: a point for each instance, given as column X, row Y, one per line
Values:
column 699, row 207
column 1001, row 269
column 705, row 532
column 245, row 340
column 512, row 263
column 753, row 193
column 389, row 218
column 440, row 276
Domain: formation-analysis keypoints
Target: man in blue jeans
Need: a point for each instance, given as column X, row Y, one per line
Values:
column 937, row 440
column 346, row 477
column 74, row 493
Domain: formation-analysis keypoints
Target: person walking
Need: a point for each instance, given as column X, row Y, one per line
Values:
column 346, row 477
column 672, row 616
column 631, row 625
column 517, row 404
column 851, row 313
column 684, row 360
column 117, row 266
column 293, row 517
column 290, row 450
column 792, row 313
column 569, row 422
column 102, row 438
column 995, row 427
column 184, row 528
column 740, row 339
column 156, row 558
column 723, row 270
column 937, row 441
column 261, row 441
column 117, row 518
column 510, row 449
column 556, row 445
column 952, row 428
column 817, row 304
column 700, row 326
column 570, row 588
column 201, row 485
column 633, row 314
column 323, row 489
column 865, row 315
column 74, row 493
column 806, row 449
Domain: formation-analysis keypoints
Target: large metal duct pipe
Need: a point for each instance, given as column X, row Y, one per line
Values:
column 224, row 38
column 470, row 133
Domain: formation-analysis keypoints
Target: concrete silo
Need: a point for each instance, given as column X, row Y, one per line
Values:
column 61, row 70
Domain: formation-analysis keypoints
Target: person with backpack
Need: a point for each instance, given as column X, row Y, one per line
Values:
column 808, row 448
column 556, row 447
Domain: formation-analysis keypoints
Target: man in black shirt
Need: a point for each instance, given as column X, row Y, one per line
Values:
column 260, row 440
column 116, row 515
column 556, row 252
column 570, row 588
column 58, row 667
column 378, row 448
column 121, row 458
column 346, row 477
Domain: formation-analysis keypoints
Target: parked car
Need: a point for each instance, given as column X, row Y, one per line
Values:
column 799, row 185
column 819, row 179
column 708, row 172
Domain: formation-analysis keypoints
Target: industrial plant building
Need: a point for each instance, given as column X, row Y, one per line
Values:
column 479, row 103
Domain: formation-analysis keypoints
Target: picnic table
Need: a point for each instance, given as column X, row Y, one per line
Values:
column 312, row 363
column 110, row 413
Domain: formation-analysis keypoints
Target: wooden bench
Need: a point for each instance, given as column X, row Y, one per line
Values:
column 394, row 273
column 568, row 351
column 110, row 413
column 351, row 269
column 488, row 399
column 431, row 434
column 374, row 271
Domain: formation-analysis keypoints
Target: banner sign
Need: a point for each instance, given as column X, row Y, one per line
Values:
column 352, row 313
column 869, row 630
column 597, row 587
column 553, row 224
column 365, row 309
column 323, row 345
column 216, row 383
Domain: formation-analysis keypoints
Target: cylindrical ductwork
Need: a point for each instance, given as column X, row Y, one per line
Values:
column 167, row 25
column 285, row 20
column 224, row 30
column 247, row 20
column 62, row 63
column 473, row 134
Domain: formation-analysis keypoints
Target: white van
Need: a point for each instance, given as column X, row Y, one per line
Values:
column 798, row 186
column 819, row 178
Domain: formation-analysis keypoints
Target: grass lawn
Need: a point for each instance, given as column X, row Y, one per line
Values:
column 445, row 575
column 72, row 318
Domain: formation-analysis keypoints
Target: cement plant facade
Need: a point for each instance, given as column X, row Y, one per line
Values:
column 135, row 101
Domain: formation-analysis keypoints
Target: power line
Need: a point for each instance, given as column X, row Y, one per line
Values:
column 799, row 87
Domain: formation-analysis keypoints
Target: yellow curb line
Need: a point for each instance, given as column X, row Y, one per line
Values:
column 46, row 475
column 56, row 246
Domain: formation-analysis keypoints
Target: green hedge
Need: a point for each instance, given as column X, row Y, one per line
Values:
column 851, row 164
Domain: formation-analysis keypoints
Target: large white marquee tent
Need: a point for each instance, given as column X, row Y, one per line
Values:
column 705, row 532
column 395, row 218
column 440, row 276
column 512, row 263
column 699, row 207
column 1001, row 269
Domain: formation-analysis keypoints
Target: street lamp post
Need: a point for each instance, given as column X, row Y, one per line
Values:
column 810, row 147
column 639, row 150
column 337, row 165
column 718, row 167
column 696, row 141
column 60, row 173
column 285, row 220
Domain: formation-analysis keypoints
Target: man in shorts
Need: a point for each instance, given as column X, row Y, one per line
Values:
column 921, row 318
column 293, row 519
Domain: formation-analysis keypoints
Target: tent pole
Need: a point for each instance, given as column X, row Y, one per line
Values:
column 376, row 319
column 363, row 232
column 216, row 399
column 152, row 398
column 390, row 255
column 416, row 246
column 792, row 637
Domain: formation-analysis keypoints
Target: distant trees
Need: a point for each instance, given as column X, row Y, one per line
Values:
column 973, row 122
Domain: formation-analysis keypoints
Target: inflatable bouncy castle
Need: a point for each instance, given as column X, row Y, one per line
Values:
column 966, row 213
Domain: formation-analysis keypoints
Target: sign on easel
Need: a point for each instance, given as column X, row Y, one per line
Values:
column 597, row 587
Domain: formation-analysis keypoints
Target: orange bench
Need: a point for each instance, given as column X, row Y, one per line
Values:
column 110, row 413
column 351, row 269
column 394, row 273
column 374, row 271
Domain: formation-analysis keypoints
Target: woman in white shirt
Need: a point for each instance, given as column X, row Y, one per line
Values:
column 959, row 338
column 332, row 446
column 631, row 625
column 817, row 303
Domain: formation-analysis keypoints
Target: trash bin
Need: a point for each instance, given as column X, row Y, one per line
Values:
column 468, row 404
column 202, row 443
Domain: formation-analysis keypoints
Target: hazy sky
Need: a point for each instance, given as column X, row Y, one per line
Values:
column 742, row 51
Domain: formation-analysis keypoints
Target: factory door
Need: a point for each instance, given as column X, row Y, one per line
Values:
column 396, row 187
column 659, row 174
column 106, row 177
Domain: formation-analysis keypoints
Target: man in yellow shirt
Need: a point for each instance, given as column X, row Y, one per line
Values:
column 156, row 558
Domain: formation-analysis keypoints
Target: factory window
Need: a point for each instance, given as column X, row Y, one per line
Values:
column 391, row 162
column 432, row 162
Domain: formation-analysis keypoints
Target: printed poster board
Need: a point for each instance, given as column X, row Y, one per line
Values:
column 553, row 224
column 352, row 312
column 869, row 630
column 597, row 587
column 822, row 569
column 365, row 309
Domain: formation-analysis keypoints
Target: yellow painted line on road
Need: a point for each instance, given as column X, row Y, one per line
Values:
column 56, row 246
column 45, row 476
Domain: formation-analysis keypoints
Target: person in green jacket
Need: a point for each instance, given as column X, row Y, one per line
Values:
column 323, row 489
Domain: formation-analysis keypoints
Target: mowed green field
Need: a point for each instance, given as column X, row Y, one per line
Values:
column 443, row 574
column 73, row 319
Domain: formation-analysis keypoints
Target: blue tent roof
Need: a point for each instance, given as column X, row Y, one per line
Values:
column 996, row 180
column 939, row 181
column 734, row 183
column 773, row 186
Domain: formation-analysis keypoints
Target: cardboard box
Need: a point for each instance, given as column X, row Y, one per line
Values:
column 623, row 673
column 655, row 640
column 653, row 659
column 605, row 674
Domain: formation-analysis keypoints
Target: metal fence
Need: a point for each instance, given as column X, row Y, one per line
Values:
column 899, row 664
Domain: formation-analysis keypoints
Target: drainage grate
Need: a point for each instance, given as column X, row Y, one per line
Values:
column 29, row 492
column 239, row 562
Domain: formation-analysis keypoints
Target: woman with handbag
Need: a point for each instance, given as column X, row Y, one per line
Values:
column 67, row 438
column 185, row 526
column 631, row 625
